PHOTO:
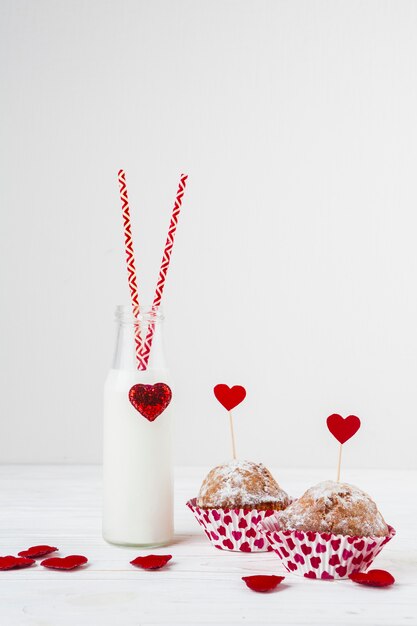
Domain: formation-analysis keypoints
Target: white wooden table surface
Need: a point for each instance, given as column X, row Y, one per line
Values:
column 60, row 505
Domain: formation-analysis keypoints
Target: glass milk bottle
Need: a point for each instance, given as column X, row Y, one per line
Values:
column 137, row 463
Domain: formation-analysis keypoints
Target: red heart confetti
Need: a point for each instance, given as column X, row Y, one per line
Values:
column 67, row 562
column 343, row 428
column 262, row 583
column 373, row 578
column 152, row 561
column 150, row 400
column 37, row 551
column 229, row 397
column 15, row 562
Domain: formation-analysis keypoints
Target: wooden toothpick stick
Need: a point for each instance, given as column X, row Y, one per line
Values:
column 342, row 429
column 229, row 398
column 232, row 434
column 339, row 462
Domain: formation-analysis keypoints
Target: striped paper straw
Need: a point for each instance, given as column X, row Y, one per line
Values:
column 130, row 264
column 147, row 343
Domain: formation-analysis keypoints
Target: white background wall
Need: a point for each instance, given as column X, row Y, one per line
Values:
column 295, row 266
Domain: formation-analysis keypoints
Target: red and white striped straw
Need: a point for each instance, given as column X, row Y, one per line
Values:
column 131, row 269
column 147, row 343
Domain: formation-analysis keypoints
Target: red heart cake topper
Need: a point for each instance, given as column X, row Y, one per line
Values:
column 229, row 397
column 150, row 400
column 343, row 428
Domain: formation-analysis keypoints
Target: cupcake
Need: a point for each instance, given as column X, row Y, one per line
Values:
column 233, row 499
column 337, row 508
column 333, row 530
column 241, row 485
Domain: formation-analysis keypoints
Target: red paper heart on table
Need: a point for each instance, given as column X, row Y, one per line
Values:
column 36, row 551
column 67, row 562
column 15, row 562
column 152, row 561
column 229, row 397
column 150, row 400
column 343, row 428
column 262, row 583
column 373, row 578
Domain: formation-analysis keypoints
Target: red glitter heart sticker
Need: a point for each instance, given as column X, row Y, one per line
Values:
column 229, row 397
column 262, row 583
column 67, row 562
column 150, row 400
column 373, row 578
column 152, row 561
column 15, row 562
column 343, row 428
column 37, row 551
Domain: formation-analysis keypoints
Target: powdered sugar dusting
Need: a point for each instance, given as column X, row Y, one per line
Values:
column 238, row 484
column 333, row 507
column 327, row 489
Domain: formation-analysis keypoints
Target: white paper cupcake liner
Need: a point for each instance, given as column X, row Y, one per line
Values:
column 322, row 555
column 233, row 529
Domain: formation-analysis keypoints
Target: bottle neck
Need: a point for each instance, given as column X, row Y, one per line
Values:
column 139, row 340
column 145, row 315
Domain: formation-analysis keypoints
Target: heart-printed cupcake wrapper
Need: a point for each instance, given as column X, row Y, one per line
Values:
column 322, row 555
column 232, row 529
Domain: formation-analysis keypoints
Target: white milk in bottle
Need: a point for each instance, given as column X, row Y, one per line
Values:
column 137, row 462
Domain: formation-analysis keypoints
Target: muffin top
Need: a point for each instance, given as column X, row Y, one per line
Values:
column 241, row 485
column 337, row 508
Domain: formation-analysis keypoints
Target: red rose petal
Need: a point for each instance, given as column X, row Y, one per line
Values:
column 67, row 562
column 152, row 561
column 36, row 551
column 373, row 578
column 14, row 562
column 262, row 583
